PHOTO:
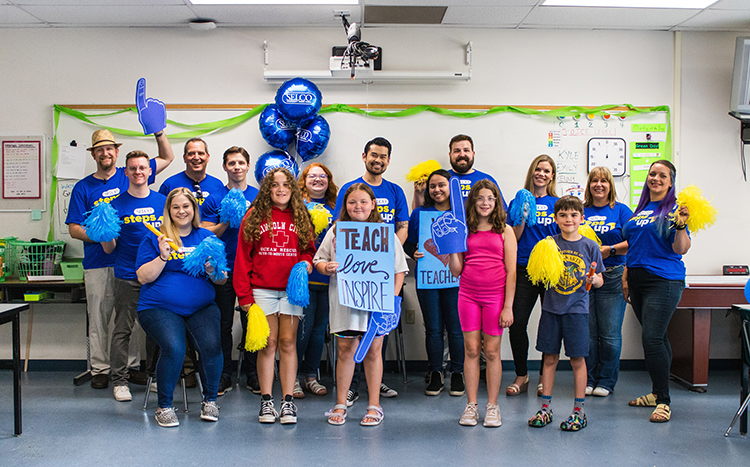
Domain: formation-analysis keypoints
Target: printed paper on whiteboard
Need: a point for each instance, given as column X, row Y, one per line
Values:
column 71, row 162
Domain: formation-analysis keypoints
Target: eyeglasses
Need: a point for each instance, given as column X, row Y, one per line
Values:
column 197, row 191
column 315, row 177
column 482, row 199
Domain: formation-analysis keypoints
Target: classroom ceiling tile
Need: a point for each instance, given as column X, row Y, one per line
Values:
column 71, row 16
column 10, row 15
column 451, row 3
column 731, row 5
column 499, row 16
column 718, row 19
column 99, row 2
column 277, row 15
column 606, row 18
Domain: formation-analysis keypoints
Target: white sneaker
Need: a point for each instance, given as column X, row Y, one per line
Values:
column 601, row 392
column 492, row 417
column 589, row 390
column 122, row 394
column 470, row 415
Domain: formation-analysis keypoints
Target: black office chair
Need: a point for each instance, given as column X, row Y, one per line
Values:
column 152, row 365
column 744, row 395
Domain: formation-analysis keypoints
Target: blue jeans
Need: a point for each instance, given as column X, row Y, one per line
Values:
column 225, row 300
column 311, row 334
column 606, row 312
column 168, row 329
column 654, row 301
column 440, row 313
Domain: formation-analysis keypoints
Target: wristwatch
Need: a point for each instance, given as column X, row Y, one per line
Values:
column 612, row 251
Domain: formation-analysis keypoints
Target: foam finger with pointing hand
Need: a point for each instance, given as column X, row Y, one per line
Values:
column 151, row 112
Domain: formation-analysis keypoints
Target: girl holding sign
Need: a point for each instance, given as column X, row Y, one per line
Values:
column 485, row 297
column 440, row 304
column 350, row 324
column 275, row 235
column 530, row 229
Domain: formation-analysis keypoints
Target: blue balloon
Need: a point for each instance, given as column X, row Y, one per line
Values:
column 275, row 130
column 312, row 138
column 299, row 100
column 747, row 291
column 272, row 159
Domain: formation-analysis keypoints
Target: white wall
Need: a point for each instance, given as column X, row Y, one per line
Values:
column 511, row 67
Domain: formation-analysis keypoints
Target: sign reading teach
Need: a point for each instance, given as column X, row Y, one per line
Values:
column 364, row 251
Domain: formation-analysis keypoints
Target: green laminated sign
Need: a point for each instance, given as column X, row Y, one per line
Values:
column 648, row 127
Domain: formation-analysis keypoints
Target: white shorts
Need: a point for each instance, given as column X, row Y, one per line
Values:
column 275, row 301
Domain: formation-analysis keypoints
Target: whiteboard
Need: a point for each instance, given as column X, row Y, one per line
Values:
column 505, row 143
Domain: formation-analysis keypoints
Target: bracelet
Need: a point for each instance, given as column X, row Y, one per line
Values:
column 165, row 260
column 681, row 227
column 159, row 133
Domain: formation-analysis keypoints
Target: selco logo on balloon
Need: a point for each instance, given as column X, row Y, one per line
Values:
column 298, row 97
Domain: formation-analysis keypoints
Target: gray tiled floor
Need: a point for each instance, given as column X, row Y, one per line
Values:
column 67, row 425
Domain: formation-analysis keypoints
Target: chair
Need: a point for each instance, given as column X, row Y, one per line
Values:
column 744, row 396
column 151, row 375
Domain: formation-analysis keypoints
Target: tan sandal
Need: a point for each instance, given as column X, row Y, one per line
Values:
column 661, row 414
column 314, row 387
column 649, row 400
column 515, row 389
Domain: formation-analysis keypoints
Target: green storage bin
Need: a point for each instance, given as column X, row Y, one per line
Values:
column 72, row 270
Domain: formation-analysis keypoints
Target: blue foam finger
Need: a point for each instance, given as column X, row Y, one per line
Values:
column 103, row 223
column 458, row 205
column 297, row 287
column 747, row 291
column 151, row 112
column 233, row 208
column 380, row 324
column 449, row 231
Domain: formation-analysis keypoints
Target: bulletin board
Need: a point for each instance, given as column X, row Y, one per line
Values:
column 22, row 173
column 506, row 139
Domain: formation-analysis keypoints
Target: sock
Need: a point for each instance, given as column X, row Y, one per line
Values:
column 546, row 402
column 578, row 407
column 266, row 397
column 288, row 398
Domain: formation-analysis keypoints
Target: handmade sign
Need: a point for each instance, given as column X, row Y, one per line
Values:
column 449, row 230
column 432, row 268
column 151, row 112
column 364, row 251
column 380, row 324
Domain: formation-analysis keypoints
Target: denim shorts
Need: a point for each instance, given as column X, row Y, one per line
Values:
column 572, row 328
column 275, row 301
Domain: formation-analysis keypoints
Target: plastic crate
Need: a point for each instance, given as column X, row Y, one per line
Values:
column 6, row 257
column 34, row 259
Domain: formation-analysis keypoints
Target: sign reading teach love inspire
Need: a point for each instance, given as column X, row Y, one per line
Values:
column 364, row 251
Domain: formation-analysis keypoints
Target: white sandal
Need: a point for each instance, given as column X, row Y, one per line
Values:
column 332, row 414
column 314, row 387
column 375, row 419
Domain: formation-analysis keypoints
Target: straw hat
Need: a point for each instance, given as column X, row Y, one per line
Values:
column 102, row 138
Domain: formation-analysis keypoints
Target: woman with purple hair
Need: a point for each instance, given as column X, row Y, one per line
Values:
column 653, row 281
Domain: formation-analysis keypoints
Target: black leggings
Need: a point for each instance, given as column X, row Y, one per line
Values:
column 523, row 305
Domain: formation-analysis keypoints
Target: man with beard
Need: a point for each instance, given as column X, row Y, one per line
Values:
column 393, row 209
column 462, row 160
column 195, row 178
column 103, row 186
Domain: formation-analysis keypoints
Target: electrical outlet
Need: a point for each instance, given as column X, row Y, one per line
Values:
column 409, row 317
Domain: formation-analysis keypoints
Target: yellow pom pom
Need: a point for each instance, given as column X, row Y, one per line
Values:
column 588, row 232
column 321, row 217
column 546, row 264
column 702, row 214
column 257, row 329
column 421, row 171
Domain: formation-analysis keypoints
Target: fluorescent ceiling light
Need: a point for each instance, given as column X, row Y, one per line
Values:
column 274, row 2
column 683, row 4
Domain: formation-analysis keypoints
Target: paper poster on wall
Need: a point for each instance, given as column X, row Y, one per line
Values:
column 22, row 169
column 64, row 190
column 642, row 155
column 364, row 251
column 71, row 162
column 433, row 272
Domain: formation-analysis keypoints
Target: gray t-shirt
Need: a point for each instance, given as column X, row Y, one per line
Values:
column 570, row 295
column 342, row 318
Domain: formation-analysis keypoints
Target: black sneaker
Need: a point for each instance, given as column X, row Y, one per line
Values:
column 351, row 398
column 267, row 412
column 288, row 413
column 435, row 385
column 137, row 377
column 100, row 381
column 457, row 384
column 225, row 384
column 252, row 383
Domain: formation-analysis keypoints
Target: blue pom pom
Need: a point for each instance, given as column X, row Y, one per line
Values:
column 524, row 201
column 233, row 208
column 102, row 224
column 210, row 249
column 297, row 291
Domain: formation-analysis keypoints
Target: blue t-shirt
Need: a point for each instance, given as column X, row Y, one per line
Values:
column 89, row 192
column 648, row 249
column 570, row 295
column 608, row 222
column 168, row 291
column 390, row 198
column 317, row 277
column 210, row 211
column 133, row 212
column 545, row 227
column 468, row 180
column 209, row 185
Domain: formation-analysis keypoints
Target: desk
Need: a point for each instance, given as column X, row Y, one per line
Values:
column 9, row 314
column 13, row 290
column 690, row 327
